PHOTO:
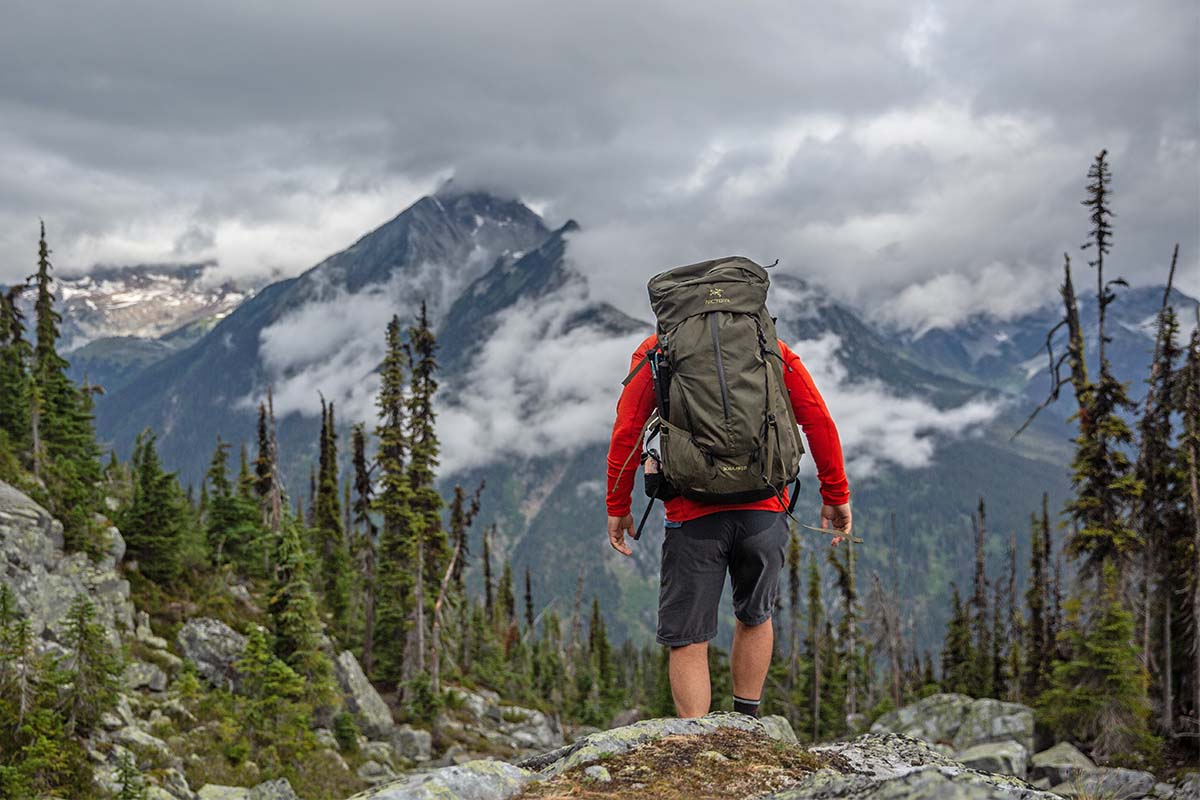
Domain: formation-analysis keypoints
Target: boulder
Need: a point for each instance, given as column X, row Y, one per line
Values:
column 374, row 716
column 526, row 728
column 214, row 648
column 375, row 772
column 891, row 767
column 141, row 675
column 961, row 721
column 936, row 718
column 621, row 740
column 212, row 791
column 377, row 751
column 1006, row 758
column 990, row 720
column 131, row 736
column 412, row 743
column 1187, row 787
column 278, row 789
column 627, row 717
column 1108, row 782
column 475, row 780
column 45, row 581
column 1059, row 764
column 778, row 727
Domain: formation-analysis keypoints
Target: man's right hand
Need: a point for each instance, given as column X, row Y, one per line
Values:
column 618, row 527
column 837, row 517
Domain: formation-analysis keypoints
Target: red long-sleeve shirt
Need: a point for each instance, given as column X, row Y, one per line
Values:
column 637, row 403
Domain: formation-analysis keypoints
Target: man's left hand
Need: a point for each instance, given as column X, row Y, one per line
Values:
column 618, row 527
column 839, row 518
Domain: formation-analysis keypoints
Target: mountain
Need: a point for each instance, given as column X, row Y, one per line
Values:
column 530, row 371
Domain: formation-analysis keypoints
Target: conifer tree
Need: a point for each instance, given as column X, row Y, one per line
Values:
column 528, row 601
column 507, row 607
column 489, row 601
column 333, row 575
column 1037, row 660
column 814, row 647
column 152, row 522
column 364, row 543
column 396, row 542
column 15, row 357
column 958, row 657
column 295, row 622
column 93, row 667
column 981, row 670
column 232, row 518
column 1098, row 695
column 1189, row 448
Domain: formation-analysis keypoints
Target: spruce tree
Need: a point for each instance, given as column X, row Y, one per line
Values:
column 152, row 523
column 364, row 543
column 1037, row 656
column 233, row 519
column 333, row 576
column 393, row 502
column 528, row 601
column 958, row 656
column 295, row 622
column 507, row 606
column 93, row 668
column 15, row 358
column 814, row 647
column 980, row 684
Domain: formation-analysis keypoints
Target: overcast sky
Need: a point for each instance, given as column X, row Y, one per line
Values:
column 935, row 150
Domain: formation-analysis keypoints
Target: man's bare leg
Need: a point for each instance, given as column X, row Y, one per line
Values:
column 690, row 686
column 751, row 658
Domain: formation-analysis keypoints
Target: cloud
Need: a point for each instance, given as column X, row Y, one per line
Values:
column 877, row 426
column 870, row 146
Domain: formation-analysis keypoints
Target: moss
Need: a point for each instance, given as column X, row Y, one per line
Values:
column 722, row 764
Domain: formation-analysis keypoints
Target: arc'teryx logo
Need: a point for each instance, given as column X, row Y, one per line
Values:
column 716, row 295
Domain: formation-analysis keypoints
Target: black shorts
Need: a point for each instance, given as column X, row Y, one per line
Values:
column 696, row 555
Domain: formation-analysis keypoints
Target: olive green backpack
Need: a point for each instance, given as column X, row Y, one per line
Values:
column 725, row 426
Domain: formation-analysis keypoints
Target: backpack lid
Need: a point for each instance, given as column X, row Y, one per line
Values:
column 732, row 283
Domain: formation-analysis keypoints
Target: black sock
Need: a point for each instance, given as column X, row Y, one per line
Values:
column 743, row 706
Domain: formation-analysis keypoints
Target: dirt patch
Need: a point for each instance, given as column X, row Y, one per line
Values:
column 729, row 763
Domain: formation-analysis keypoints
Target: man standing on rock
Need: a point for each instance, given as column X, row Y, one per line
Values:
column 715, row 417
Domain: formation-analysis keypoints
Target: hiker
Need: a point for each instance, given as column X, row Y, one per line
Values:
column 718, row 397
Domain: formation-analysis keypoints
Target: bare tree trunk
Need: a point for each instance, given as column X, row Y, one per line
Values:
column 1168, row 677
column 1191, row 414
column 35, row 419
column 435, row 656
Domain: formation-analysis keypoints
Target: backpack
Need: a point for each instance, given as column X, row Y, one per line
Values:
column 726, row 430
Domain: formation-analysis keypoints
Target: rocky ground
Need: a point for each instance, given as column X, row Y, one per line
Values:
column 480, row 748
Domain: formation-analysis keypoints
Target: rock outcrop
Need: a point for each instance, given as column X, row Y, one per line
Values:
column 374, row 716
column 873, row 766
column 45, row 580
column 214, row 648
column 960, row 721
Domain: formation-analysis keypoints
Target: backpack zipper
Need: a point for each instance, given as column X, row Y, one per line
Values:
column 712, row 324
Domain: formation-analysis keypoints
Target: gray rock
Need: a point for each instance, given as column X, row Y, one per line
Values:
column 175, row 783
column 1164, row 791
column 131, row 736
column 110, row 721
column 374, row 716
column 412, row 743
column 960, row 721
column 627, row 717
column 1006, row 758
column 325, row 738
column 597, row 774
column 377, row 751
column 475, row 705
column 621, row 740
column 1059, row 764
column 990, row 720
column 778, row 727
column 527, row 729
column 45, row 581
column 141, row 675
column 936, row 718
column 213, row 791
column 214, row 648
column 892, row 767
column 1108, row 782
column 1187, row 787
column 475, row 780
column 375, row 772
column 278, row 789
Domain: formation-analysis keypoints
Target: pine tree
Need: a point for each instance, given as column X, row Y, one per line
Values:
column 295, row 622
column 814, row 647
column 129, row 780
column 528, row 601
column 958, row 656
column 507, row 606
column 152, row 523
column 1189, row 448
column 981, row 671
column 1037, row 656
column 62, row 421
column 93, row 667
column 1098, row 695
column 333, row 575
column 489, row 601
column 425, row 503
column 233, row 518
column 364, row 543
column 15, row 357
column 396, row 542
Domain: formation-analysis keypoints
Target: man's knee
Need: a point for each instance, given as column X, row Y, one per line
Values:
column 753, row 625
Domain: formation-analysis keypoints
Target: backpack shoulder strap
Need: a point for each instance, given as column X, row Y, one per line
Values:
column 638, row 366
